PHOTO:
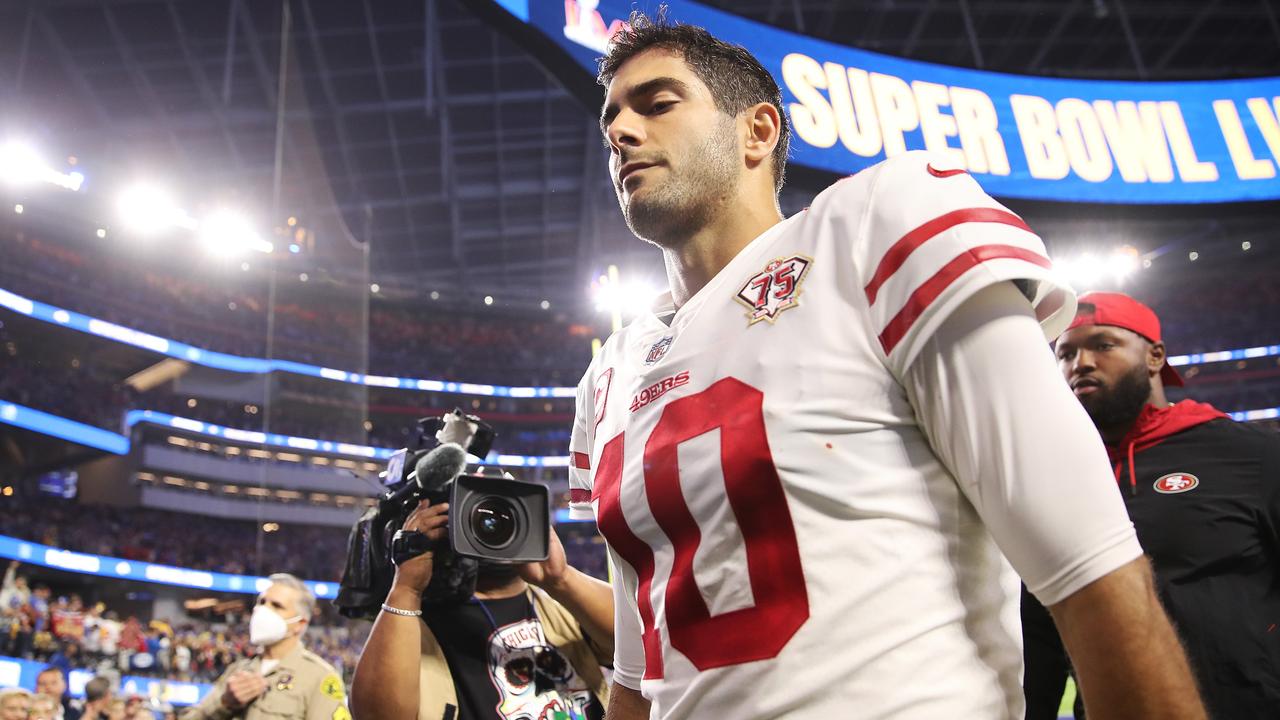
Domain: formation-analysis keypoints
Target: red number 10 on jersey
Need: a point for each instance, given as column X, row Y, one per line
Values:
column 756, row 497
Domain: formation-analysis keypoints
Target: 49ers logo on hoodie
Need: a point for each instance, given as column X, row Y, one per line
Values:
column 1174, row 483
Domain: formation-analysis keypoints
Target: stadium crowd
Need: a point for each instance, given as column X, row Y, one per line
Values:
column 67, row 632
column 232, row 318
column 180, row 540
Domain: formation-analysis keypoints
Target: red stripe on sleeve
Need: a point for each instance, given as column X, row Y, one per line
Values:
column 582, row 461
column 578, row 495
column 902, row 249
column 941, row 280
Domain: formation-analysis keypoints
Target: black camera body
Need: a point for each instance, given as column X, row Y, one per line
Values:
column 498, row 518
column 491, row 519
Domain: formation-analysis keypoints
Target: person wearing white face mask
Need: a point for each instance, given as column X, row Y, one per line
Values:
column 286, row 680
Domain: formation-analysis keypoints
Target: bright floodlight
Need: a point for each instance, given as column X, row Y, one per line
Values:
column 1091, row 272
column 148, row 210
column 629, row 298
column 20, row 164
column 1084, row 272
column 230, row 233
column 1124, row 262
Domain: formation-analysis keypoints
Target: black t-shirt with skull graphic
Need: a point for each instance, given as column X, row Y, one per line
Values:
column 503, row 667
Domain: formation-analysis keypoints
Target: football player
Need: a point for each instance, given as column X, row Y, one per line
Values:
column 813, row 458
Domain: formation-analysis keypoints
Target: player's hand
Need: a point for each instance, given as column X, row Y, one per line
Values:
column 550, row 572
column 414, row 574
column 242, row 689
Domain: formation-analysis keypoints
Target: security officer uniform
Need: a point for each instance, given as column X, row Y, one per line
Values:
column 301, row 686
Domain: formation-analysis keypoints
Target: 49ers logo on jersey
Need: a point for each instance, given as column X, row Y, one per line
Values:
column 1174, row 483
column 658, row 389
column 774, row 289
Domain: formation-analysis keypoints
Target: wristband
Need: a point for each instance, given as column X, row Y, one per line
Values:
column 398, row 611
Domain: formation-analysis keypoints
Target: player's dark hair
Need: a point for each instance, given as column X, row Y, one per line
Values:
column 735, row 77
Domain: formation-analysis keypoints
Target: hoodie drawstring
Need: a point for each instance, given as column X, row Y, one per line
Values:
column 1133, row 474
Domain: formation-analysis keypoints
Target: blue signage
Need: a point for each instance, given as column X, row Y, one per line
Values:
column 112, row 567
column 16, row 672
column 115, row 443
column 235, row 363
column 1021, row 136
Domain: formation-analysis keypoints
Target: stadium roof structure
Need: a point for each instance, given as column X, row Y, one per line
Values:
column 466, row 165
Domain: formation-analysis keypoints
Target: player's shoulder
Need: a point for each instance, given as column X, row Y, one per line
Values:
column 907, row 169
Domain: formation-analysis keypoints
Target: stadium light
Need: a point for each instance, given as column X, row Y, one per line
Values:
column 628, row 298
column 148, row 210
column 229, row 233
column 20, row 164
column 1089, row 272
column 1125, row 262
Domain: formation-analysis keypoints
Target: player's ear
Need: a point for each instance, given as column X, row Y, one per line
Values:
column 1155, row 357
column 763, row 129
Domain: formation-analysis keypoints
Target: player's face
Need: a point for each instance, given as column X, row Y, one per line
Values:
column 673, row 153
column 1107, row 370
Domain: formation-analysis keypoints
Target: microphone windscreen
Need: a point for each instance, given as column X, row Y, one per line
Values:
column 440, row 466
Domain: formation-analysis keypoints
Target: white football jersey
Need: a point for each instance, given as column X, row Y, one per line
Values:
column 785, row 542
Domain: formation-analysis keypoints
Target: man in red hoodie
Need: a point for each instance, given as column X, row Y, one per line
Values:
column 1203, row 492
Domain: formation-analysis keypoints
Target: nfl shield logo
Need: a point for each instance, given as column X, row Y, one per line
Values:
column 774, row 289
column 658, row 350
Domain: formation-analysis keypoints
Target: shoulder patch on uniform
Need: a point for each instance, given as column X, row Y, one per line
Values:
column 341, row 713
column 774, row 289
column 332, row 687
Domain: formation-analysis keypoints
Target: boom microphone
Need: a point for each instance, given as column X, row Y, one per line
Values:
column 439, row 467
column 432, row 473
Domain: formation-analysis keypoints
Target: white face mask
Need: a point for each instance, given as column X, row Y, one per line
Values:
column 266, row 627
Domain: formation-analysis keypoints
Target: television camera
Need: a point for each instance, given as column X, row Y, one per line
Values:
column 492, row 518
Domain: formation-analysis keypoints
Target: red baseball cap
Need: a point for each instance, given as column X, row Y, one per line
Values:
column 1120, row 310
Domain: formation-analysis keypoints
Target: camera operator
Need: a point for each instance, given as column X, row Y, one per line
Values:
column 528, row 644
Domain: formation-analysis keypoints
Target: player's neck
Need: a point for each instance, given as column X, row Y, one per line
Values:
column 702, row 256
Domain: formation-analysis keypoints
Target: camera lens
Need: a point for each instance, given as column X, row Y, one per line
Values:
column 493, row 520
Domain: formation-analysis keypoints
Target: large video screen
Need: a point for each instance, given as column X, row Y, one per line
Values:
column 1022, row 136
